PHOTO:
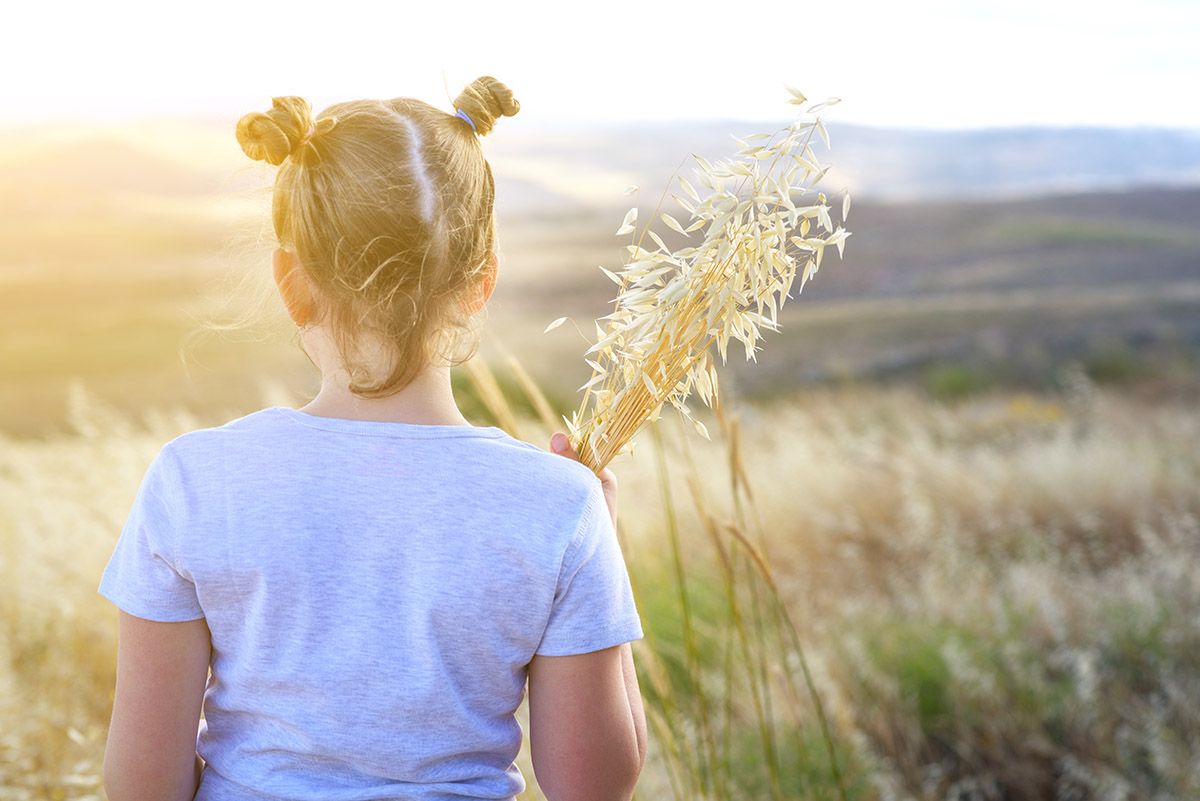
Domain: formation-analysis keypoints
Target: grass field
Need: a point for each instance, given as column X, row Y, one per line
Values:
column 997, row 597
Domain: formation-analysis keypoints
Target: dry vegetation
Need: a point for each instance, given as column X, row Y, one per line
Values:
column 753, row 239
column 998, row 598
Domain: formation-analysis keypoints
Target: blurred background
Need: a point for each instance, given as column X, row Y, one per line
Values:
column 973, row 445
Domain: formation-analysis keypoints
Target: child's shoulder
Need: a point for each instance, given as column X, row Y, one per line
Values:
column 223, row 435
column 542, row 460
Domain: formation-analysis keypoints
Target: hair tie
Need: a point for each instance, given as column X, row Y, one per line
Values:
column 304, row 140
column 460, row 113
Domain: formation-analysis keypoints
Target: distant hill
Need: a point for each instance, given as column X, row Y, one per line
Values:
column 543, row 169
column 880, row 163
column 101, row 164
column 960, row 293
column 1009, row 162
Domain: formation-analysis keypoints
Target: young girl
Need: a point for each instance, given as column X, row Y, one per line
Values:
column 371, row 579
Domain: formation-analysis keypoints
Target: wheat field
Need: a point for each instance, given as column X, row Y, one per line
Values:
column 996, row 598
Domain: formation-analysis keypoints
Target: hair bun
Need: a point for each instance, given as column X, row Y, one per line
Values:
column 274, row 135
column 485, row 100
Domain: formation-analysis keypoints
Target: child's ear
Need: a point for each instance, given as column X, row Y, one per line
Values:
column 489, row 281
column 293, row 286
column 486, row 285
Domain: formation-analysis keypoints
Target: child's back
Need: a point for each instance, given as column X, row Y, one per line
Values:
column 371, row 596
column 375, row 592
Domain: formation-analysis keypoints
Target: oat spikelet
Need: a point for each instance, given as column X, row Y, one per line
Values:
column 753, row 233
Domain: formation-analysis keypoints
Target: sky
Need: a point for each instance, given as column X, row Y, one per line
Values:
column 922, row 64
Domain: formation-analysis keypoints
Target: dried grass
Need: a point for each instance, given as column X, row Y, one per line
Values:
column 1038, row 555
column 672, row 306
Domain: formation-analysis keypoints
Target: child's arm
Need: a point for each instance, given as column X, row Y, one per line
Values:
column 634, row 693
column 162, row 670
column 587, row 725
column 585, row 739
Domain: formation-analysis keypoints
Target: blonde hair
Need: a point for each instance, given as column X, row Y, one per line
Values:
column 388, row 205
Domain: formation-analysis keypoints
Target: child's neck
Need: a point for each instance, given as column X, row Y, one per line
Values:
column 428, row 400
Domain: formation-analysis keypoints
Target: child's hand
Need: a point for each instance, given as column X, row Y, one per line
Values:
column 560, row 444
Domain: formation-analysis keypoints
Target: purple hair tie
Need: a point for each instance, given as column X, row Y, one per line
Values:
column 458, row 112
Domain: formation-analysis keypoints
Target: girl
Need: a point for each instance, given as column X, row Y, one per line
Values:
column 372, row 580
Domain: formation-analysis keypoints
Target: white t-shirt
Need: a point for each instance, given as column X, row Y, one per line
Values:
column 375, row 592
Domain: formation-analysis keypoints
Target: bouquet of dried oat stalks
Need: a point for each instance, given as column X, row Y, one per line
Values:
column 748, row 232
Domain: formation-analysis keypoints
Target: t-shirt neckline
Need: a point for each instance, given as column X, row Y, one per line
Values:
column 386, row 428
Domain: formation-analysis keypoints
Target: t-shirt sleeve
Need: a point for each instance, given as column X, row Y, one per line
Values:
column 593, row 603
column 142, row 575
